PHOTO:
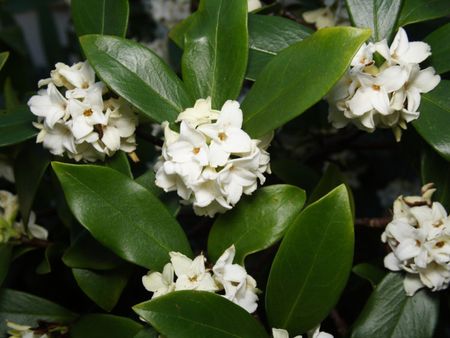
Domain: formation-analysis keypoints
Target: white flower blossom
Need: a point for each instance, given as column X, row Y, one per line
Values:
column 419, row 237
column 333, row 14
column 253, row 5
column 239, row 286
column 383, row 95
column 314, row 333
column 23, row 331
column 75, row 120
column 160, row 283
column 211, row 162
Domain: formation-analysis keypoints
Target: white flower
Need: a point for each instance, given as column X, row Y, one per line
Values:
column 419, row 237
column 333, row 14
column 9, row 206
column 32, row 230
column 314, row 333
column 160, row 283
column 240, row 287
column 23, row 331
column 81, row 124
column 254, row 5
column 211, row 162
column 383, row 95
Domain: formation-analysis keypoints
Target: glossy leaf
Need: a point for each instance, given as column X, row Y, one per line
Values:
column 268, row 35
column 187, row 314
column 52, row 253
column 422, row 10
column 437, row 170
column 16, row 126
column 439, row 41
column 26, row 309
column 390, row 313
column 3, row 57
column 148, row 332
column 257, row 222
column 120, row 163
column 121, row 214
column 312, row 264
column 86, row 253
column 11, row 98
column 103, row 287
column 103, row 325
column 298, row 77
column 378, row 15
column 435, row 113
column 107, row 17
column 138, row 75
column 5, row 260
column 216, row 50
column 29, row 168
column 369, row 272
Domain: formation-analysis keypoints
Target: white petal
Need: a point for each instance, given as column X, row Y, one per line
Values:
column 426, row 80
column 181, row 263
column 217, row 155
column 417, row 52
column 230, row 115
column 392, row 263
column 360, row 102
column 412, row 284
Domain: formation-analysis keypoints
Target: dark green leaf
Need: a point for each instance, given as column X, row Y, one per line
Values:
column 86, row 253
column 258, row 222
column 390, row 313
column 439, row 41
column 52, row 253
column 298, row 77
column 437, row 170
column 5, row 260
column 148, row 332
column 434, row 114
column 422, row 10
column 378, row 15
column 23, row 308
column 120, row 163
column 121, row 214
column 147, row 180
column 102, row 326
column 3, row 57
column 16, row 126
column 187, row 314
column 107, row 17
column 369, row 272
column 11, row 99
column 268, row 35
column 29, row 168
column 312, row 264
column 138, row 75
column 103, row 287
column 216, row 50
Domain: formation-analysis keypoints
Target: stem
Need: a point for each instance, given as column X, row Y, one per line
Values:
column 377, row 223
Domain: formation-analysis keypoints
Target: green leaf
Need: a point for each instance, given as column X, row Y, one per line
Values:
column 16, row 126
column 147, row 180
column 120, row 163
column 147, row 332
column 216, row 50
column 312, row 264
column 378, row 15
column 138, row 75
column 258, row 222
column 103, row 287
column 434, row 114
column 422, row 10
column 369, row 272
column 3, row 57
column 11, row 99
column 439, row 41
column 295, row 173
column 26, row 309
column 298, row 77
column 121, row 214
column 107, row 17
column 390, row 313
column 29, row 168
column 187, row 314
column 86, row 253
column 52, row 253
column 5, row 260
column 437, row 170
column 103, row 325
column 268, row 35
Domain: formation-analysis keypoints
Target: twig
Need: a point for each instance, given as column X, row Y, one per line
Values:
column 377, row 223
column 35, row 242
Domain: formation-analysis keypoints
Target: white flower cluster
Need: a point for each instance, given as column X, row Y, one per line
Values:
column 386, row 95
column 75, row 119
column 23, row 331
column 211, row 162
column 314, row 333
column 419, row 237
column 238, row 286
column 333, row 14
column 10, row 228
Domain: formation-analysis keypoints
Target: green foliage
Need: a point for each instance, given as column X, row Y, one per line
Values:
column 108, row 17
column 414, row 11
column 439, row 41
column 257, row 222
column 121, row 214
column 3, row 58
column 187, row 314
column 102, row 325
column 16, row 127
column 5, row 259
column 369, row 272
column 312, row 264
column 390, row 313
column 298, row 77
column 437, row 170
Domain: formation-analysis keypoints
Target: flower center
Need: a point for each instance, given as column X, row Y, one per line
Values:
column 88, row 112
column 418, row 242
column 196, row 150
column 440, row 244
column 222, row 136
column 376, row 87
